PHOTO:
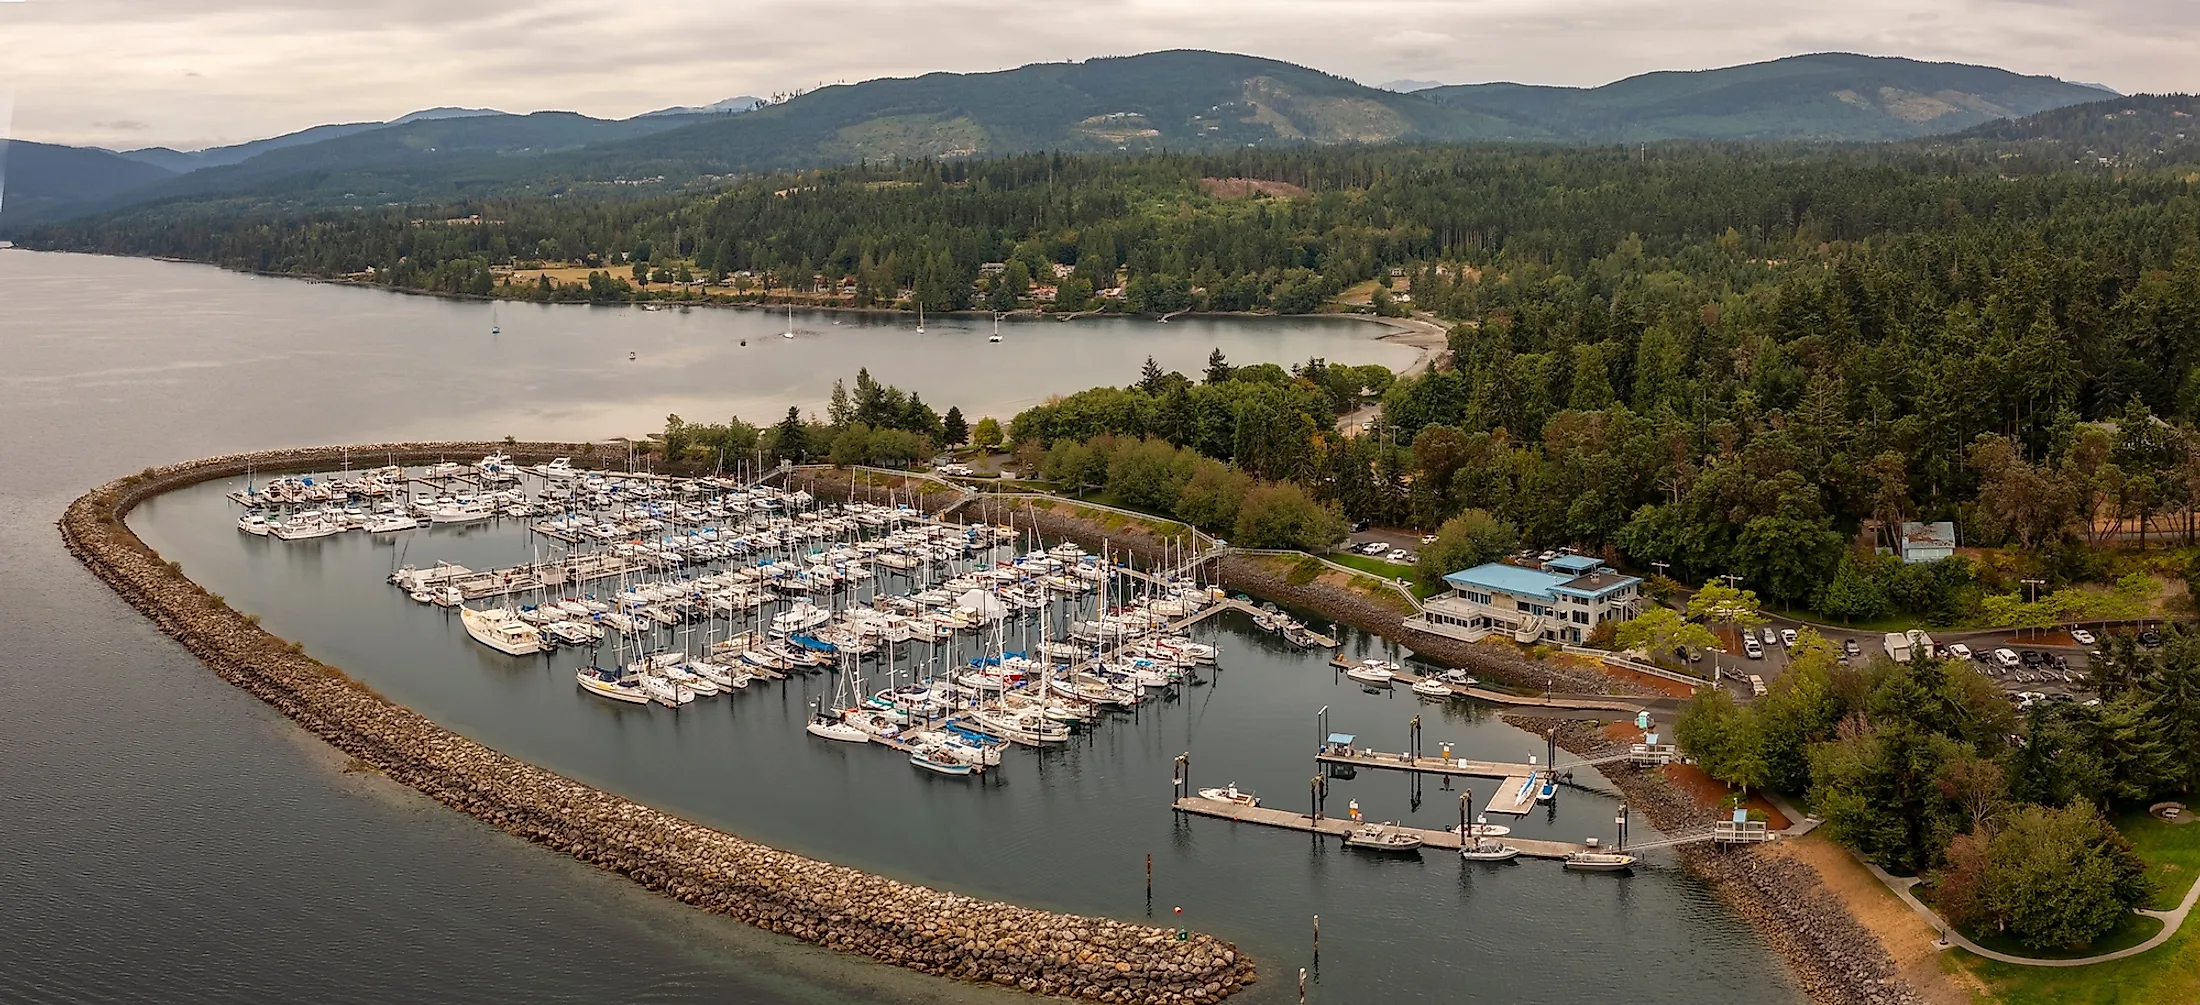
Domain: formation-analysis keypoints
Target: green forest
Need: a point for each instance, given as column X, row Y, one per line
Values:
column 1730, row 359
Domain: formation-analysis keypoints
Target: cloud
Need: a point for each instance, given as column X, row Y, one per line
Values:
column 201, row 72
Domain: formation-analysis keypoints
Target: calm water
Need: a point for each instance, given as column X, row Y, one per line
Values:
column 176, row 839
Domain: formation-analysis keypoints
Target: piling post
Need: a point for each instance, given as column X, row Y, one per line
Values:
column 1302, row 986
column 1413, row 739
column 1317, row 940
column 1621, row 820
column 1149, row 883
column 1314, row 799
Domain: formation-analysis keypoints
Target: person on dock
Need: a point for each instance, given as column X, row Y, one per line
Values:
column 1354, row 809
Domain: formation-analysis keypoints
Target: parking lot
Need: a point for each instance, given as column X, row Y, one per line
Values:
column 1392, row 541
column 2029, row 666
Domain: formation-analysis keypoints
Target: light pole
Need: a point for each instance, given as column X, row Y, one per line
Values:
column 2033, row 586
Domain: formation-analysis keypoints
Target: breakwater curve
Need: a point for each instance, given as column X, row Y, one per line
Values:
column 908, row 925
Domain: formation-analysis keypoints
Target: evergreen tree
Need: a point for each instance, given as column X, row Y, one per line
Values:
column 954, row 431
column 1218, row 368
column 790, row 438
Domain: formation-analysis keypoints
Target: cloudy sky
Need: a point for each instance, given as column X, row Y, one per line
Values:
column 193, row 73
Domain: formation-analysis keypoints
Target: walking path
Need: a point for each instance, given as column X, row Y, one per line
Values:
column 2171, row 921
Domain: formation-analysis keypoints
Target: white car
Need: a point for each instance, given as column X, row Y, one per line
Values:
column 2007, row 658
column 1957, row 650
column 1787, row 637
column 2082, row 637
column 1399, row 555
column 1751, row 649
column 1770, row 637
column 1373, row 548
column 1428, row 539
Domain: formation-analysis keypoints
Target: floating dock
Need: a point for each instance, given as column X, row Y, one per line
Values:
column 1442, row 840
column 1580, row 702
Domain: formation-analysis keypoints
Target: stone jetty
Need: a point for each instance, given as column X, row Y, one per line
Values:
column 923, row 929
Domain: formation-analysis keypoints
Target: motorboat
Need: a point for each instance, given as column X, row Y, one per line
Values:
column 306, row 528
column 1230, row 794
column 1430, row 687
column 1374, row 671
column 254, row 524
column 1381, row 837
column 1599, row 861
column 501, row 630
column 1489, row 851
column 941, row 759
column 391, row 523
column 1482, row 828
column 611, row 684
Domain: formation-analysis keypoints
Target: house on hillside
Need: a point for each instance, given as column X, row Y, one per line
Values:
column 1927, row 542
column 1562, row 601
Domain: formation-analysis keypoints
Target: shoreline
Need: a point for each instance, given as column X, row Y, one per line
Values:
column 1410, row 331
column 908, row 925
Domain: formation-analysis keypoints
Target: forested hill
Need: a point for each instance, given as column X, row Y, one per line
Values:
column 1185, row 100
column 2133, row 130
column 1823, row 96
column 37, row 178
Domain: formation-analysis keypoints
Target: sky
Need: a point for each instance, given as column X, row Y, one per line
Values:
column 197, row 73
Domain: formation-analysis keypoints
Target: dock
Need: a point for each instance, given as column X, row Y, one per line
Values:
column 1587, row 703
column 1337, row 827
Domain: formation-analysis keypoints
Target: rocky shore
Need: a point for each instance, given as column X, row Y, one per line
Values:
column 927, row 930
column 1835, row 958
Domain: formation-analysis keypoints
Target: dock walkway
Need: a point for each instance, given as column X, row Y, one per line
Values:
column 1443, row 840
column 1587, row 703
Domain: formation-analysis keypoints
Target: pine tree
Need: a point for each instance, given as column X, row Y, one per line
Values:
column 790, row 441
column 953, row 429
column 838, row 411
column 1218, row 368
column 1149, row 379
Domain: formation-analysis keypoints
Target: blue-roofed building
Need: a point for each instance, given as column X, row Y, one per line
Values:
column 1562, row 600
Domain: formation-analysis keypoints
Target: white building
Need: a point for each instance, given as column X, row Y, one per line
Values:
column 1563, row 601
column 1927, row 542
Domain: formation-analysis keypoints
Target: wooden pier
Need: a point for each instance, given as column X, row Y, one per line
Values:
column 1442, row 840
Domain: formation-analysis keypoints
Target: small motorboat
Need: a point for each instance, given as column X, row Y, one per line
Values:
column 1374, row 672
column 1381, row 837
column 1482, row 828
column 1430, row 687
column 941, row 759
column 630, row 357
column 1548, row 792
column 1599, row 861
column 1489, row 851
column 1230, row 794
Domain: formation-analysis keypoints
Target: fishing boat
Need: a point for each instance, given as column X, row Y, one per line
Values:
column 1230, row 794
column 612, row 684
column 501, row 630
column 1374, row 672
column 1386, row 837
column 1599, row 861
column 1489, row 851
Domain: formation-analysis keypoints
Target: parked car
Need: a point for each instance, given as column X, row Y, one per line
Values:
column 2081, row 636
column 1373, row 548
column 2031, row 657
column 1850, row 647
column 1751, row 649
column 1428, row 539
column 1772, row 638
column 2006, row 658
column 1756, row 685
column 2150, row 638
column 1401, row 555
column 1957, row 650
column 1787, row 636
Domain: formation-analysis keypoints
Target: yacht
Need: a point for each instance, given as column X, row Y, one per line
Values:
column 254, row 524
column 391, row 523
column 306, row 528
column 1374, row 672
column 611, row 684
column 501, row 630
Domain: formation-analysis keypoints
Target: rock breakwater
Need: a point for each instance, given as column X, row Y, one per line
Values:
column 912, row 926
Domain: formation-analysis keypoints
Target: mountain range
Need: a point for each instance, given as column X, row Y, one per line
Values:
column 1176, row 100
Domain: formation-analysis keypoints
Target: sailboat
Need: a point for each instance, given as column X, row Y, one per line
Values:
column 920, row 316
column 494, row 328
column 789, row 333
column 996, row 329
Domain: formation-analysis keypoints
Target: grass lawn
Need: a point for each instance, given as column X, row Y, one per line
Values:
column 1387, row 570
column 2168, row 973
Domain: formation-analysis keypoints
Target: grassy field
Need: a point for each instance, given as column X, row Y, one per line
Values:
column 2168, row 973
column 1387, row 570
